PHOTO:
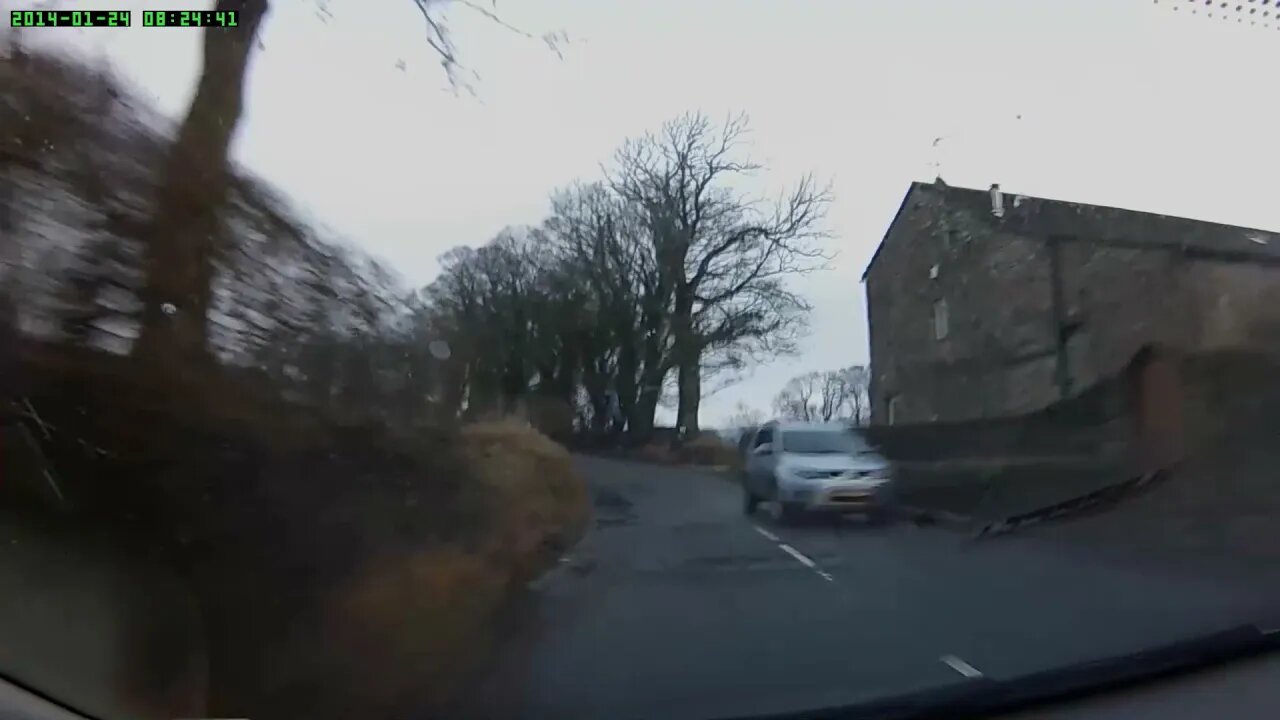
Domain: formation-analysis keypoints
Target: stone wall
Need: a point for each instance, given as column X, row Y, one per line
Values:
column 1094, row 423
column 992, row 468
column 1122, row 300
column 1220, row 446
column 1239, row 305
column 991, row 361
column 1227, row 393
column 1233, row 395
column 999, row 356
column 898, row 298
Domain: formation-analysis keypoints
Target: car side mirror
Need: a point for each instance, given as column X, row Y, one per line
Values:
column 763, row 449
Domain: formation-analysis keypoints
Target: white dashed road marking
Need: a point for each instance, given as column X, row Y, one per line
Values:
column 766, row 533
column 961, row 666
column 799, row 556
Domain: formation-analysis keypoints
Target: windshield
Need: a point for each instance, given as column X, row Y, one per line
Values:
column 439, row 358
column 822, row 442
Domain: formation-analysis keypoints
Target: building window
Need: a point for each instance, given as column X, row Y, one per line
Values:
column 940, row 328
column 893, row 410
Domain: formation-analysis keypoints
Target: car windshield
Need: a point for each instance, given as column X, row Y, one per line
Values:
column 446, row 358
column 822, row 442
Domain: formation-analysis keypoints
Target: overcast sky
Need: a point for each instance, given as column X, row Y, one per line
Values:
column 1118, row 102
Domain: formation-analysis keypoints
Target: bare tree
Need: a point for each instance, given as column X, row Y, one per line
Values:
column 825, row 396
column 796, row 400
column 601, row 241
column 725, row 255
column 744, row 416
column 182, row 235
column 854, row 388
column 14, row 55
column 575, row 303
column 181, row 239
column 490, row 300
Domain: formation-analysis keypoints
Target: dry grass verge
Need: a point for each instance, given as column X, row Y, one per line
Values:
column 535, row 503
column 346, row 555
column 419, row 626
column 339, row 572
column 704, row 451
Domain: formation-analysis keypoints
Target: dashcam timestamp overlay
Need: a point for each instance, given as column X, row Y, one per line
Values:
column 69, row 18
column 191, row 18
column 124, row 18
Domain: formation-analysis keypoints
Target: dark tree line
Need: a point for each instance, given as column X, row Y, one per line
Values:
column 659, row 275
column 290, row 310
column 664, row 271
column 704, row 265
column 183, row 234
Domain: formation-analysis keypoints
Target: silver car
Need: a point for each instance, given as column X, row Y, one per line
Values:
column 808, row 467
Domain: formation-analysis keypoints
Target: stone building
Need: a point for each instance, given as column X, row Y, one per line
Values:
column 983, row 303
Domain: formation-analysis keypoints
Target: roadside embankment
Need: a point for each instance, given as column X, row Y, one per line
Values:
column 1176, row 464
column 1219, row 509
column 311, row 568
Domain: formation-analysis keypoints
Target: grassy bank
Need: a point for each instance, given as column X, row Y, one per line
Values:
column 417, row 625
column 339, row 569
column 321, row 542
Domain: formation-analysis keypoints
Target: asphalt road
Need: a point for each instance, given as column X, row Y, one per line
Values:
column 676, row 605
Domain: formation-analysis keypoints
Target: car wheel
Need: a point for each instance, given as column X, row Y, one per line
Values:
column 785, row 513
column 749, row 501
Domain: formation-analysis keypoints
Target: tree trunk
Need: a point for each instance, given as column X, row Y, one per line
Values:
column 596, row 384
column 9, row 156
column 690, row 390
column 652, row 372
column 484, row 388
column 449, row 380
column 182, row 235
column 514, row 385
column 626, row 385
column 567, row 371
column 8, row 198
column 640, row 424
column 689, row 360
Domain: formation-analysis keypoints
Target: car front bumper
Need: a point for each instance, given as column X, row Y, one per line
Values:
column 837, row 497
